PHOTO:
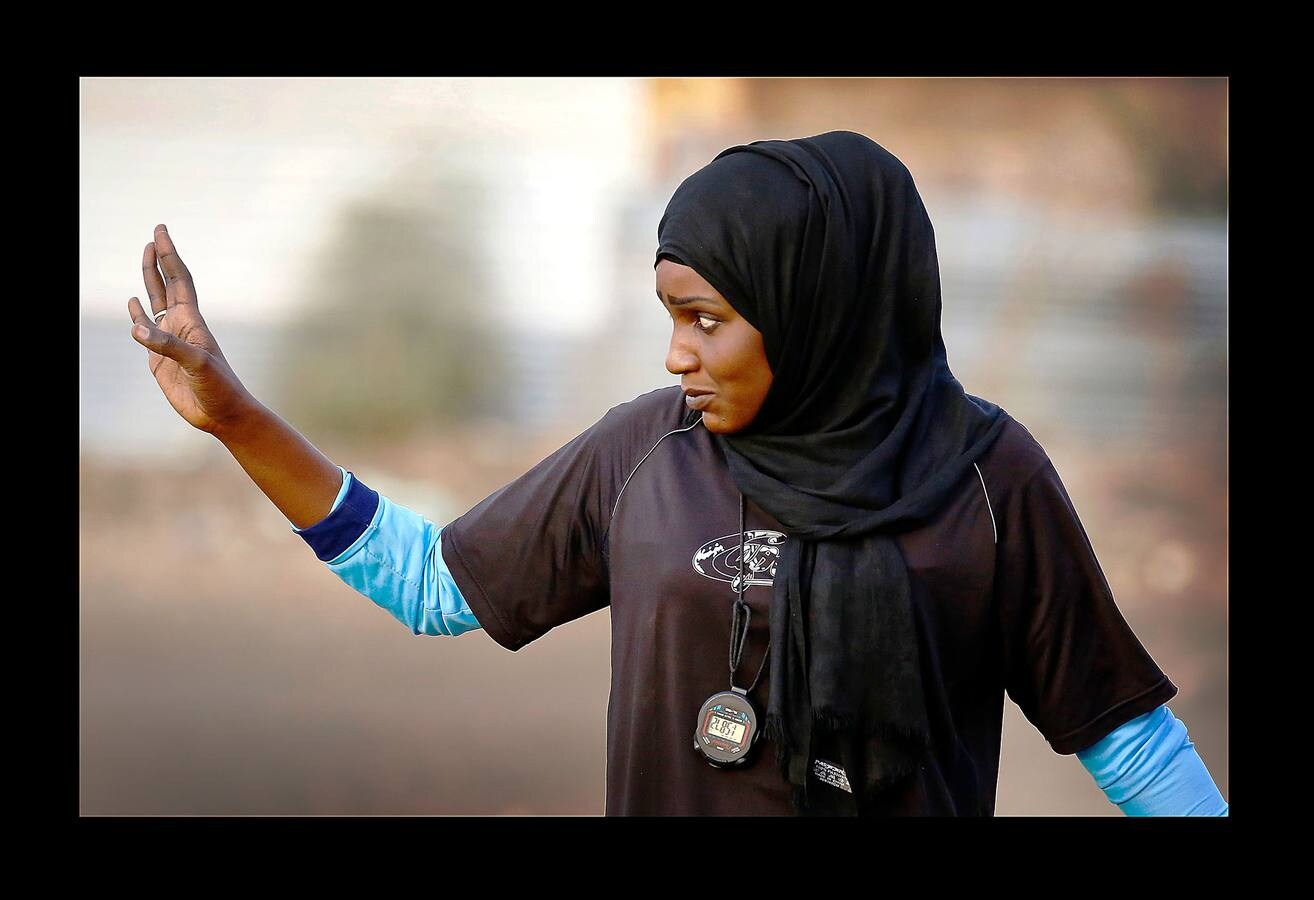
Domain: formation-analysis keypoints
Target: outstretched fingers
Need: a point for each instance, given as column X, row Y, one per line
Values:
column 154, row 283
column 144, row 332
column 179, row 288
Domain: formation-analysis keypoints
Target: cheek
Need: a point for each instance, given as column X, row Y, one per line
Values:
column 738, row 367
column 728, row 370
column 754, row 372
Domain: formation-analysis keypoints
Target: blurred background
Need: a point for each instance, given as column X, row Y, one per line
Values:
column 441, row 281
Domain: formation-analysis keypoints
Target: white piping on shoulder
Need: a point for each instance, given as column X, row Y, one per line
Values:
column 993, row 527
column 616, row 506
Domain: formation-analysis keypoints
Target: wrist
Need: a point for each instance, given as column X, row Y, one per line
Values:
column 244, row 426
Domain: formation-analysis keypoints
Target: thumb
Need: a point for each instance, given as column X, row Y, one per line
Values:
column 188, row 356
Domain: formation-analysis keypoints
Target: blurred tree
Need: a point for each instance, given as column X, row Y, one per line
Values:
column 395, row 334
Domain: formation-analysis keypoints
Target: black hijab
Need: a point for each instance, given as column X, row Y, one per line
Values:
column 824, row 246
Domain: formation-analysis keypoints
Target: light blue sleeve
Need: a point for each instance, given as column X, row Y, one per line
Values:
column 1148, row 766
column 397, row 562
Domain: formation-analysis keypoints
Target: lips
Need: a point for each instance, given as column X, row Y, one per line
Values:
column 696, row 399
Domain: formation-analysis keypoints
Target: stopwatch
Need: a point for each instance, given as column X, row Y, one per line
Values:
column 727, row 729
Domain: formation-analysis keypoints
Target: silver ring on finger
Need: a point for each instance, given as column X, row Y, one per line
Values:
column 157, row 315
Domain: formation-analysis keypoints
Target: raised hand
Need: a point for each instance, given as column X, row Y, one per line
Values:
column 184, row 356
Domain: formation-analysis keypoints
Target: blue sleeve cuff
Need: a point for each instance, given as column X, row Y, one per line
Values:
column 392, row 556
column 351, row 515
column 1148, row 766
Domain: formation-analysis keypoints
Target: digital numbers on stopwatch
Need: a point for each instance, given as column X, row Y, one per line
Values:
column 731, row 731
column 727, row 729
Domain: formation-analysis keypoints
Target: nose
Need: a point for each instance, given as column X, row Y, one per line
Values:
column 679, row 357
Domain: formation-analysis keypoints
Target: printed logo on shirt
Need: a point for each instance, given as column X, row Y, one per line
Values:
column 719, row 558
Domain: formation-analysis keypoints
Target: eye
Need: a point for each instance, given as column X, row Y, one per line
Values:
column 706, row 329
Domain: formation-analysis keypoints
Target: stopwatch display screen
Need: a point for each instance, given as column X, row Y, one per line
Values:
column 727, row 729
column 731, row 731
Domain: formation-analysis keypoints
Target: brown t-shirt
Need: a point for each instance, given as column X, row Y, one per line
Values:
column 640, row 513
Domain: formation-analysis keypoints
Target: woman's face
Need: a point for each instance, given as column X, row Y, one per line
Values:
column 713, row 350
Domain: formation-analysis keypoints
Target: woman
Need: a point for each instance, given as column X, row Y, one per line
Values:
column 820, row 494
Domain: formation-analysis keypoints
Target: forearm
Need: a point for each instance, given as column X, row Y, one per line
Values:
column 296, row 477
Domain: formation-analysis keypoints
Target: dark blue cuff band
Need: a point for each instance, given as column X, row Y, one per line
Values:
column 340, row 528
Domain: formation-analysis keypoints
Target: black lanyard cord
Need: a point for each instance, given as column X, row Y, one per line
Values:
column 741, row 608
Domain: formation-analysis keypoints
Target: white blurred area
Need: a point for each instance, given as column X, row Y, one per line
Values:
column 271, row 158
column 248, row 173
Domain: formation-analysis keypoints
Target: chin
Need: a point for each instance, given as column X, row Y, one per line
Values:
column 719, row 425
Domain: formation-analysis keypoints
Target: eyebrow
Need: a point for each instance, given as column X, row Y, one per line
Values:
column 681, row 301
